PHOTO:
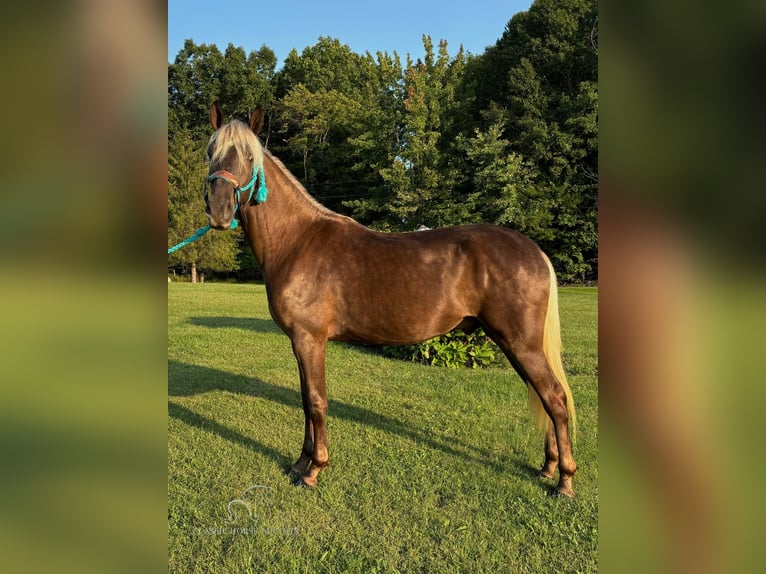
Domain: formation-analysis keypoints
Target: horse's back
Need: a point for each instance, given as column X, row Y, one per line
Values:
column 480, row 253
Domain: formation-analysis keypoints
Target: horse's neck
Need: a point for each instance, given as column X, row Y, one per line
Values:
column 279, row 225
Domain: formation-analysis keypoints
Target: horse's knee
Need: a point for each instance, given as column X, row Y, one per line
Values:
column 318, row 407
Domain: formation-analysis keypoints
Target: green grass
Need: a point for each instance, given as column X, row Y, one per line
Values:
column 432, row 469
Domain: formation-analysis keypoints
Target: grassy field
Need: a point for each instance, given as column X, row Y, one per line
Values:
column 432, row 470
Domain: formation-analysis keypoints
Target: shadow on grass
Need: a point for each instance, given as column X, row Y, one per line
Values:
column 201, row 422
column 252, row 324
column 187, row 380
column 268, row 326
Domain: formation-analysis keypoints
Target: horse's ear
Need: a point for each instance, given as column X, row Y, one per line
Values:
column 216, row 115
column 256, row 120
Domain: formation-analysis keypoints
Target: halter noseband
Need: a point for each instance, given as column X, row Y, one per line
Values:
column 227, row 176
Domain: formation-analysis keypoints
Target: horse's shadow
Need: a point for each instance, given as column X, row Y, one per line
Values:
column 199, row 421
column 188, row 379
column 252, row 324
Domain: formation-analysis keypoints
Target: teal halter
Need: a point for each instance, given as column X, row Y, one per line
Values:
column 260, row 196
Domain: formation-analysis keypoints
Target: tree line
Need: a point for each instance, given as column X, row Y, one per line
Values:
column 509, row 136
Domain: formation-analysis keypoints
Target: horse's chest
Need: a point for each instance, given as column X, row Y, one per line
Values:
column 299, row 302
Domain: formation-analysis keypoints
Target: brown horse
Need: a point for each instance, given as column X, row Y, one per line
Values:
column 330, row 278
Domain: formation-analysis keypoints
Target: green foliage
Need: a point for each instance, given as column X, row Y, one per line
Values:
column 313, row 123
column 499, row 186
column 201, row 74
column 543, row 72
column 453, row 350
column 326, row 66
column 420, row 177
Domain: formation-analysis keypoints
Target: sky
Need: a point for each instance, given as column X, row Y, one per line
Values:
column 393, row 25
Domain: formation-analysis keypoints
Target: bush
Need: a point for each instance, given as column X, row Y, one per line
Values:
column 455, row 349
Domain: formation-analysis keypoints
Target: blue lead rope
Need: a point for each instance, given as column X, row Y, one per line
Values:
column 199, row 233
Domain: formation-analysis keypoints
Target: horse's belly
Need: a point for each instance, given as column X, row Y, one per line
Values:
column 396, row 325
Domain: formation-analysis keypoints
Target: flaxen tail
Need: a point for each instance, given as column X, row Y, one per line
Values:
column 552, row 350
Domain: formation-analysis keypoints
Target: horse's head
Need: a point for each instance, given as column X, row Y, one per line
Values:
column 236, row 159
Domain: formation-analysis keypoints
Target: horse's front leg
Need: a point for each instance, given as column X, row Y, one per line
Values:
column 304, row 461
column 310, row 354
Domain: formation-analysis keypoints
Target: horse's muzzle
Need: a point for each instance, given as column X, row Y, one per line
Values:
column 219, row 212
column 220, row 221
column 219, row 224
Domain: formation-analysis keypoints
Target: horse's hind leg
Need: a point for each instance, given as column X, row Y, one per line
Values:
column 531, row 364
column 558, row 444
column 551, row 449
column 310, row 354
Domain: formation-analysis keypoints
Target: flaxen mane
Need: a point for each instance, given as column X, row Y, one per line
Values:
column 239, row 136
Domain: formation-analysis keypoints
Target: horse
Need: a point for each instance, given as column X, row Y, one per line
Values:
column 329, row 278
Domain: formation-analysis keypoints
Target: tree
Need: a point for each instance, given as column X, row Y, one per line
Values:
column 246, row 81
column 500, row 182
column 325, row 66
column 186, row 211
column 377, row 144
column 421, row 180
column 328, row 99
column 201, row 74
column 542, row 73
column 314, row 119
column 194, row 80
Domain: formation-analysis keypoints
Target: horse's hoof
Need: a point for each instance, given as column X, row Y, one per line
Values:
column 544, row 475
column 564, row 493
column 556, row 493
column 306, row 482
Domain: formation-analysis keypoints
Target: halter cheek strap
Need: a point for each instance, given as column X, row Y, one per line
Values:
column 262, row 193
